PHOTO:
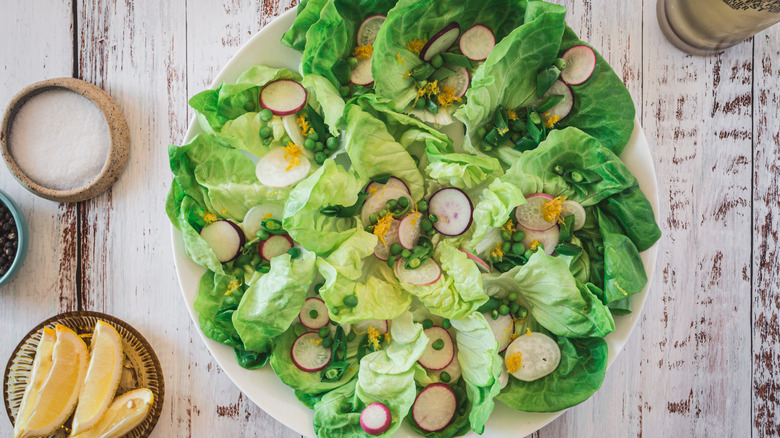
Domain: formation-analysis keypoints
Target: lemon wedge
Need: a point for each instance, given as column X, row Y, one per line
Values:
column 125, row 413
column 103, row 373
column 55, row 399
column 40, row 369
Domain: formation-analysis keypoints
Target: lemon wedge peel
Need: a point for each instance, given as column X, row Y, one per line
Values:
column 125, row 414
column 40, row 369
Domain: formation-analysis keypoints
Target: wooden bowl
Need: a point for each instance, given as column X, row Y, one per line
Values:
column 119, row 140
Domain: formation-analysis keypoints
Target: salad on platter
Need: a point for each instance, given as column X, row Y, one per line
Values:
column 430, row 216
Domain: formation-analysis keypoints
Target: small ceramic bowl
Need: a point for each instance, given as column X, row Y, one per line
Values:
column 119, row 144
column 23, row 237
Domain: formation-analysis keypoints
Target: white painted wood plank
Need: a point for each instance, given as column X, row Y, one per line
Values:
column 45, row 285
column 766, row 228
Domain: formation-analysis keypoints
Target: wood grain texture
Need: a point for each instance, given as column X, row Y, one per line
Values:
column 766, row 227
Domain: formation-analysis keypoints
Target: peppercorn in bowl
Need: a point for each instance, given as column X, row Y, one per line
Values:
column 13, row 238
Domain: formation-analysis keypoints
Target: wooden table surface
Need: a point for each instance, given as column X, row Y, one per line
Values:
column 705, row 359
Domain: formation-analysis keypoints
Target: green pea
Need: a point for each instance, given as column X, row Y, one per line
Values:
column 518, row 236
column 309, row 144
column 437, row 61
column 576, row 177
column 494, row 314
column 426, row 225
column 391, row 261
column 506, row 247
column 313, row 135
column 528, row 253
column 422, row 206
column 433, row 218
column 506, row 235
column 373, row 218
column 512, row 296
column 383, row 212
column 420, row 104
column 518, row 248
column 430, row 232
column 332, row 143
column 560, row 63
column 319, row 145
column 262, row 234
column 351, row 336
column 445, row 377
column 503, row 310
column 446, row 323
column 438, row 344
column 250, row 106
column 335, row 310
column 286, row 139
column 427, row 323
column 522, row 312
column 265, row 132
column 323, row 332
column 406, row 253
column 266, row 115
column 403, row 201
column 514, row 307
column 344, row 90
column 313, row 314
column 396, row 249
column 353, row 62
column 535, row 118
column 320, row 158
column 391, row 204
column 350, row 301
column 486, row 147
column 327, row 343
column 294, row 252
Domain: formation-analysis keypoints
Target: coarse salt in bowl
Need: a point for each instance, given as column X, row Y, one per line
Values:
column 64, row 139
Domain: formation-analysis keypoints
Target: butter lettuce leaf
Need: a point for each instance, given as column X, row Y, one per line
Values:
column 495, row 205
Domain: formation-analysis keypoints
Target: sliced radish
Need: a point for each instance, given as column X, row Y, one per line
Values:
column 275, row 245
column 314, row 314
column 580, row 63
column 393, row 183
column 293, row 130
column 432, row 358
column 477, row 42
column 441, row 42
column 273, row 169
column 367, row 31
column 382, row 250
column 283, row 97
column 453, row 370
column 547, row 238
column 434, row 407
column 361, row 74
column 453, row 209
column 529, row 215
column 538, row 355
column 378, row 202
column 503, row 378
column 361, row 327
column 426, row 274
column 253, row 219
column 480, row 263
column 308, row 354
column 225, row 239
column 458, row 81
column 502, row 328
column 375, row 419
column 409, row 230
column 564, row 107
column 574, row 207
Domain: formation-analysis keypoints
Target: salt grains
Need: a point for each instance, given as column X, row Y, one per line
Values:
column 59, row 139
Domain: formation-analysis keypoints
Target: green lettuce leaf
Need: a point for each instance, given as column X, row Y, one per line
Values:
column 459, row 425
column 337, row 414
column 624, row 272
column 307, row 14
column 495, row 205
column 464, row 171
column 633, row 212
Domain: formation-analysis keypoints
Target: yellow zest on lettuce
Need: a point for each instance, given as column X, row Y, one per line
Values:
column 306, row 128
column 514, row 362
column 416, row 45
column 511, row 114
column 209, row 217
column 430, row 89
column 407, row 74
column 363, row 52
column 527, row 331
column 553, row 210
column 447, row 96
column 550, row 120
column 533, row 245
column 373, row 338
column 497, row 252
column 232, row 287
column 383, row 226
column 399, row 59
column 292, row 155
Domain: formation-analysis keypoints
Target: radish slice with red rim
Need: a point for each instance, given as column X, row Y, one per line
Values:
column 580, row 64
column 529, row 215
column 503, row 328
column 393, row 183
column 458, row 81
column 275, row 245
column 409, row 230
column 361, row 327
column 477, row 42
column 253, row 219
column 225, row 238
column 375, row 419
column 434, row 407
column 441, row 42
column 368, row 30
column 378, row 202
column 453, row 209
column 540, row 356
column 314, row 314
column 273, row 169
column 547, row 238
column 308, row 354
column 382, row 250
column 576, row 209
column 481, row 264
column 564, row 107
column 434, row 358
column 283, row 97
column 426, row 274
column 453, row 370
column 361, row 74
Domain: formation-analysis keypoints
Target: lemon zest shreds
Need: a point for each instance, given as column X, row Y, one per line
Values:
column 399, row 59
column 553, row 210
column 447, row 96
column 268, row 216
column 502, row 131
column 430, row 89
column 550, row 120
column 514, row 362
column 292, row 155
column 373, row 338
column 209, row 217
column 407, row 74
column 317, row 341
column 533, row 245
column 306, row 128
column 509, row 226
column 511, row 114
column 363, row 52
column 497, row 252
column 527, row 331
column 416, row 45
column 383, row 226
column 232, row 287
